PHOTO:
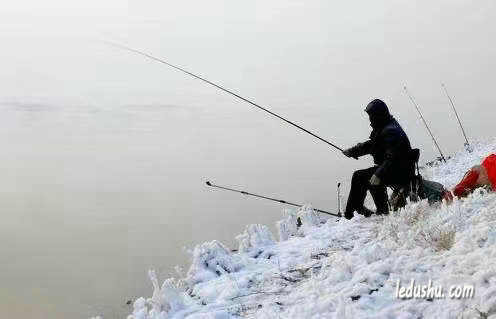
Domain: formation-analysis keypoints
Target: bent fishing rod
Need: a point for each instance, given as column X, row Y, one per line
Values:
column 149, row 56
column 456, row 113
column 268, row 198
column 425, row 123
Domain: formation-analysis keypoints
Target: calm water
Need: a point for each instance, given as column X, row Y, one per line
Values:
column 105, row 154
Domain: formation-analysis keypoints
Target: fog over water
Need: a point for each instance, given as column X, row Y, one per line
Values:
column 105, row 154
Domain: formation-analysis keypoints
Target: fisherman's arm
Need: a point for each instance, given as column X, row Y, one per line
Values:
column 359, row 150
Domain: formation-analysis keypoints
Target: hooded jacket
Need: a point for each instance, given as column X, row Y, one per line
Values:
column 388, row 144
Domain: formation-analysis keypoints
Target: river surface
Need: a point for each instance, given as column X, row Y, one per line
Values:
column 104, row 154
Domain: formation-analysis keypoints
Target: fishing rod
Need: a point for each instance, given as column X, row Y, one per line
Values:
column 456, row 113
column 268, row 198
column 149, row 56
column 339, row 198
column 425, row 123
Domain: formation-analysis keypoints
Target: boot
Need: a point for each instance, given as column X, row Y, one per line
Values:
column 468, row 183
column 348, row 215
column 365, row 211
column 382, row 212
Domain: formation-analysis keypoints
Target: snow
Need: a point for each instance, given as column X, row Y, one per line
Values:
column 330, row 268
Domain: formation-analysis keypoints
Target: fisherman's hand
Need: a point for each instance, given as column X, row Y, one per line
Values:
column 348, row 152
column 375, row 181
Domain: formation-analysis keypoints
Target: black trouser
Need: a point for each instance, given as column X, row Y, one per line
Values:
column 359, row 186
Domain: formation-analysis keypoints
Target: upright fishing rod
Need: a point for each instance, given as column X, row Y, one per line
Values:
column 149, row 56
column 425, row 123
column 456, row 113
column 268, row 198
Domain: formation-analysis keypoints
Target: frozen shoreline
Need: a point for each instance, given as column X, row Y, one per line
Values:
column 345, row 269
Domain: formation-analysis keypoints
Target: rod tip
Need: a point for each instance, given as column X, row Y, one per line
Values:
column 208, row 183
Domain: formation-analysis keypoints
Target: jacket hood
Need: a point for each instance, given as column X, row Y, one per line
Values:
column 378, row 113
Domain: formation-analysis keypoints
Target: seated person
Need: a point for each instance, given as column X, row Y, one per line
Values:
column 390, row 148
column 478, row 176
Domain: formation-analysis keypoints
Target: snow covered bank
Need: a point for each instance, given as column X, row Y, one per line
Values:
column 346, row 268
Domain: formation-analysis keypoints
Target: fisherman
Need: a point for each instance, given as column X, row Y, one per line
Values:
column 483, row 175
column 390, row 148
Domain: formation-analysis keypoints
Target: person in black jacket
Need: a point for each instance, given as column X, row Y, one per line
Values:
column 389, row 146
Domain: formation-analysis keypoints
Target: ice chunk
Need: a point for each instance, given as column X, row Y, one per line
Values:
column 206, row 258
column 255, row 236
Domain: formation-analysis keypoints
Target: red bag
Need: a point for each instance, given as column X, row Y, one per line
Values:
column 489, row 164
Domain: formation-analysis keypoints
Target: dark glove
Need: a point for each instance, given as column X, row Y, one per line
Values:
column 348, row 152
